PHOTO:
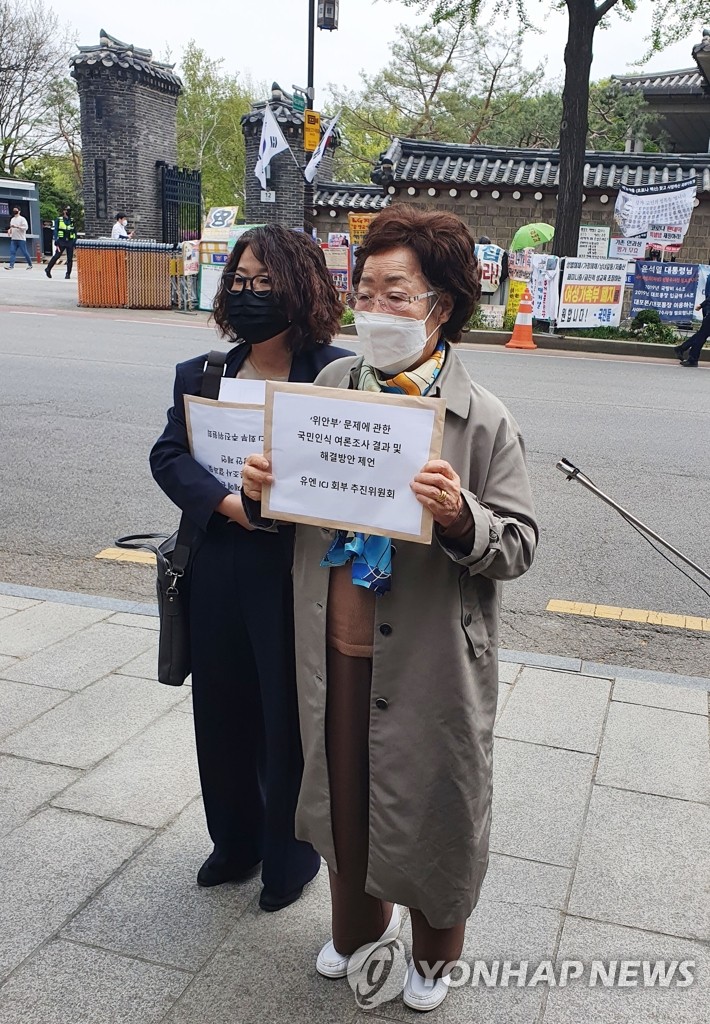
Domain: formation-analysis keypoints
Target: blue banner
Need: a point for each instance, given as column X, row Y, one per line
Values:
column 669, row 288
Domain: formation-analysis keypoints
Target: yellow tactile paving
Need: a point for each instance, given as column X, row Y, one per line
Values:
column 606, row 611
column 124, row 555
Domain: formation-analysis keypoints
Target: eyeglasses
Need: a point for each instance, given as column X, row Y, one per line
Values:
column 391, row 302
column 260, row 285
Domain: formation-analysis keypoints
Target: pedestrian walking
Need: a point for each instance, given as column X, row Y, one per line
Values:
column 689, row 351
column 397, row 656
column 18, row 239
column 64, row 241
column 277, row 301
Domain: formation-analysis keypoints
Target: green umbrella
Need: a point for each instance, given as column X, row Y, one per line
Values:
column 531, row 235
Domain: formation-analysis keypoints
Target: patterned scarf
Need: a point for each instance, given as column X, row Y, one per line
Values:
column 371, row 556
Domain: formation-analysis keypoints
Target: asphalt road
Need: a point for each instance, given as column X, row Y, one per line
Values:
column 83, row 396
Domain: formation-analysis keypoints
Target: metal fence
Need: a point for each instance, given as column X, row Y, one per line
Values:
column 133, row 275
column 182, row 204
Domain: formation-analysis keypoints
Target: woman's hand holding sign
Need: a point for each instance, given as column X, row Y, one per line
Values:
column 438, row 489
column 255, row 475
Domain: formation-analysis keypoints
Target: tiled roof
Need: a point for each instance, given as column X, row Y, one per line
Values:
column 351, row 196
column 112, row 52
column 411, row 162
column 686, row 81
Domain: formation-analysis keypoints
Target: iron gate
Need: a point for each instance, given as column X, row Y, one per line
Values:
column 182, row 204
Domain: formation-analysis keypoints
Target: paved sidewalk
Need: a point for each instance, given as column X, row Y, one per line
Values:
column 601, row 844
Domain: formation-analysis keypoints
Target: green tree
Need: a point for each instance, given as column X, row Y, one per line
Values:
column 55, row 177
column 209, row 131
column 671, row 20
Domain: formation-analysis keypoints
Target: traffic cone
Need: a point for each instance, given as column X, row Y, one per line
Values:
column 522, row 336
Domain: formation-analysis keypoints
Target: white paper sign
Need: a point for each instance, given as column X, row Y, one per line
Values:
column 593, row 242
column 544, row 286
column 628, row 248
column 242, row 391
column 662, row 235
column 592, row 293
column 345, row 459
column 222, row 436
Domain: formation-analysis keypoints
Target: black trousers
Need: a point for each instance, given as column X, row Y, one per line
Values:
column 244, row 696
column 693, row 345
column 68, row 248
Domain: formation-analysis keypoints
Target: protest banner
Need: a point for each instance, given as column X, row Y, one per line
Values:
column 662, row 235
column 627, row 248
column 592, row 293
column 520, row 264
column 490, row 266
column 345, row 459
column 593, row 242
column 222, row 436
column 639, row 206
column 669, row 288
column 544, row 286
column 337, row 260
column 516, row 290
column 491, row 316
column 358, row 225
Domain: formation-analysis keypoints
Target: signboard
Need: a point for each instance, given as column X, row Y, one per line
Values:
column 190, row 258
column 337, row 260
column 627, row 248
column 516, row 290
column 491, row 316
column 490, row 266
column 299, row 102
column 236, row 232
column 661, row 235
column 520, row 264
column 544, row 286
column 593, row 242
column 311, row 131
column 639, row 206
column 592, row 293
column 4, row 209
column 218, row 222
column 338, row 238
column 222, row 436
column 669, row 288
column 358, row 224
column 210, row 276
column 345, row 459
column 268, row 196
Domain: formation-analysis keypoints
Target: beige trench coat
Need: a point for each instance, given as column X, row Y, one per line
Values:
column 435, row 664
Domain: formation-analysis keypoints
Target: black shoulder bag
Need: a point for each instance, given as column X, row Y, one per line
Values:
column 172, row 558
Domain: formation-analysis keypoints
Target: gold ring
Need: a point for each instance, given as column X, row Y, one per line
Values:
column 442, row 497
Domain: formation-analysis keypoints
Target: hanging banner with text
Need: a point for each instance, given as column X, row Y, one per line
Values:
column 545, row 286
column 222, row 436
column 640, row 206
column 592, row 293
column 662, row 235
column 593, row 242
column 337, row 260
column 358, row 225
column 516, row 290
column 490, row 266
column 669, row 288
column 520, row 264
column 345, row 459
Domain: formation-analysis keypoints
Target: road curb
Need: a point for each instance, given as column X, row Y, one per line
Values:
column 528, row 659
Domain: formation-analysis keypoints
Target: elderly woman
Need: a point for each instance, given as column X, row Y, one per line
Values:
column 397, row 667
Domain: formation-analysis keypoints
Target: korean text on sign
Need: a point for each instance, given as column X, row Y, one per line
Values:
column 345, row 459
column 592, row 293
column 669, row 288
column 222, row 436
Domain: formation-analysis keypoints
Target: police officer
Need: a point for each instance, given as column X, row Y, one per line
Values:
column 64, row 239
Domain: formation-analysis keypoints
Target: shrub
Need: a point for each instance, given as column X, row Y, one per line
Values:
column 644, row 318
column 348, row 317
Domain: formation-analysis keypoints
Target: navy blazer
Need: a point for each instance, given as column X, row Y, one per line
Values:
column 191, row 487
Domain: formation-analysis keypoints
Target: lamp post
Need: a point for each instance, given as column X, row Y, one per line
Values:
column 310, row 91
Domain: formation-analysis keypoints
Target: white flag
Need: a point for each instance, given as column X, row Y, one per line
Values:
column 314, row 163
column 272, row 142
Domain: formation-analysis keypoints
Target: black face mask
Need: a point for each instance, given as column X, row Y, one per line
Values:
column 255, row 319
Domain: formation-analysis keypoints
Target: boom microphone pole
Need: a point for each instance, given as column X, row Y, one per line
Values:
column 573, row 473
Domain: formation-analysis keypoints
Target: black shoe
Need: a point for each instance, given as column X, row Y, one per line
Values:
column 271, row 903
column 218, row 873
column 687, row 362
column 47, row 272
column 680, row 352
column 67, row 277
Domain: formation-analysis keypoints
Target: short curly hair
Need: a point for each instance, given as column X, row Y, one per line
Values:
column 301, row 284
column 444, row 247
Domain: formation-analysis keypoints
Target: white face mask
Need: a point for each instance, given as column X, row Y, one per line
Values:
column 392, row 343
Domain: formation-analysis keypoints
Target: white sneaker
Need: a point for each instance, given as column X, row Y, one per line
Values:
column 332, row 964
column 424, row 994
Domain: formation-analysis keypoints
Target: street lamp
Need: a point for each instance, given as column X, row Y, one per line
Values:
column 328, row 16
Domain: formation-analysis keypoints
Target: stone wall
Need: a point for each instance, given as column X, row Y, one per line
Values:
column 127, row 124
column 286, row 180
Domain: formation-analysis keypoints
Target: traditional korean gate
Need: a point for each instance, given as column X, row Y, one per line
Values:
column 182, row 204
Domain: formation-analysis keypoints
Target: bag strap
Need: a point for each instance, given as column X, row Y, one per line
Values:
column 141, row 541
column 211, row 379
